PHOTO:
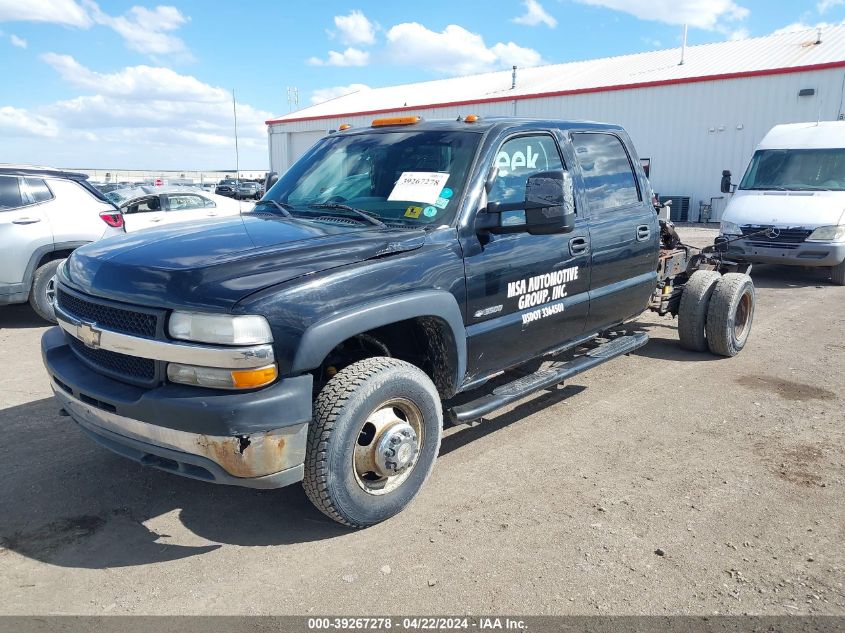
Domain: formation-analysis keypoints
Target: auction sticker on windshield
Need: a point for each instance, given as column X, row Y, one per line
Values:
column 419, row 186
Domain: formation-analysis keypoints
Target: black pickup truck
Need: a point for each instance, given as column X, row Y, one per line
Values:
column 397, row 276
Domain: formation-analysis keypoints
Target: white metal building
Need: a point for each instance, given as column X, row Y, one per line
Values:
column 692, row 120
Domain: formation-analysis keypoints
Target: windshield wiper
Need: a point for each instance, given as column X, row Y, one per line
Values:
column 284, row 208
column 343, row 207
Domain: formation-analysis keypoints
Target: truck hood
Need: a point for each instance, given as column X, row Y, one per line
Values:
column 217, row 263
column 807, row 209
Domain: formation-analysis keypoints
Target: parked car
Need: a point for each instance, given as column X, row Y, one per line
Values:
column 248, row 190
column 148, row 206
column 795, row 187
column 45, row 214
column 226, row 188
column 322, row 337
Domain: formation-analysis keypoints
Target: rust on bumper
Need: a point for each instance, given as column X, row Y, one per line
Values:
column 247, row 456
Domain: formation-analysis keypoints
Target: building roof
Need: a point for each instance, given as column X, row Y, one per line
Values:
column 773, row 54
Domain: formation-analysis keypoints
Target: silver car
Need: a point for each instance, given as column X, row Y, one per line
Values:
column 45, row 214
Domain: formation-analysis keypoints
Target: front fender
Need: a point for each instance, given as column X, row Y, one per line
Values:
column 322, row 337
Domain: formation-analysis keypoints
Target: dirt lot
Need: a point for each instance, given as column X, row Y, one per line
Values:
column 733, row 469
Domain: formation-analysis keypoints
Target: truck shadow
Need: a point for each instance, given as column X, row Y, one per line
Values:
column 68, row 502
column 20, row 316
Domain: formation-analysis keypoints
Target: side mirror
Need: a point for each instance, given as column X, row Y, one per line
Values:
column 270, row 179
column 548, row 207
column 726, row 181
column 549, row 203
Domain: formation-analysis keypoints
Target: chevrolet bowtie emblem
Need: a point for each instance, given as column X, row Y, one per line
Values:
column 88, row 334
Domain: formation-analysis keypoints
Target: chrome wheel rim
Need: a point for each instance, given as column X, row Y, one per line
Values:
column 387, row 448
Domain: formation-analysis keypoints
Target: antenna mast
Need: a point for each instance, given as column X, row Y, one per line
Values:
column 237, row 157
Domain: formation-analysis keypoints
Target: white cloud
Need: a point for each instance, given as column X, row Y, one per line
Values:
column 136, row 82
column 17, row 41
column 66, row 12
column 826, row 5
column 349, row 57
column 326, row 94
column 801, row 26
column 17, row 122
column 511, row 54
column 739, row 34
column 145, row 30
column 453, row 51
column 163, row 117
column 703, row 14
column 355, row 28
column 535, row 14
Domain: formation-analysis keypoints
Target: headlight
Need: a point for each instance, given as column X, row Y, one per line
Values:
column 222, row 378
column 224, row 329
column 729, row 228
column 828, row 234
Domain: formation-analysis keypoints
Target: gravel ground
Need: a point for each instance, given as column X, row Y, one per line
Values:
column 664, row 482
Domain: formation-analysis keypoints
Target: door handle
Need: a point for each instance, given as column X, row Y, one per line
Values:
column 643, row 232
column 578, row 245
column 155, row 219
column 26, row 220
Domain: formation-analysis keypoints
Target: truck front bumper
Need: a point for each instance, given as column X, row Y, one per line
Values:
column 253, row 439
column 803, row 254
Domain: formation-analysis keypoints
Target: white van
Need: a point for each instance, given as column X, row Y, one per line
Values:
column 795, row 184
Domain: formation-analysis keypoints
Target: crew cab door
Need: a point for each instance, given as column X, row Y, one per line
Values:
column 526, row 294
column 624, row 230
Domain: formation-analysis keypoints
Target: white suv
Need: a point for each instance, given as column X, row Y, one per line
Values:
column 44, row 215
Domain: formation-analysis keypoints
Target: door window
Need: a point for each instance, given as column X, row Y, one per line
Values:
column 517, row 160
column 10, row 193
column 608, row 176
column 38, row 190
column 144, row 205
column 184, row 201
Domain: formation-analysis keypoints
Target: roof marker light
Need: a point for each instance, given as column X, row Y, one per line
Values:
column 343, row 127
column 397, row 120
column 471, row 118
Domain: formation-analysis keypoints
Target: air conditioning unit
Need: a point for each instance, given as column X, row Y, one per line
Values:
column 679, row 209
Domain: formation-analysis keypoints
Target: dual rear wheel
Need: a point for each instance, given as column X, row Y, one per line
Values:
column 716, row 312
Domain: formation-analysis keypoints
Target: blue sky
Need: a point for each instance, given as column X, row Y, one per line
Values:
column 146, row 85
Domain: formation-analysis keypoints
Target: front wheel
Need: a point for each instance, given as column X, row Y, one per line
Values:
column 43, row 292
column 373, row 441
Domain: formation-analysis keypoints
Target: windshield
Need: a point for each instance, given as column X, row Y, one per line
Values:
column 796, row 170
column 407, row 178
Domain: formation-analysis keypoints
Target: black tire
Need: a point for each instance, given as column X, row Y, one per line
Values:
column 692, row 313
column 730, row 314
column 342, row 412
column 43, row 290
column 837, row 274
